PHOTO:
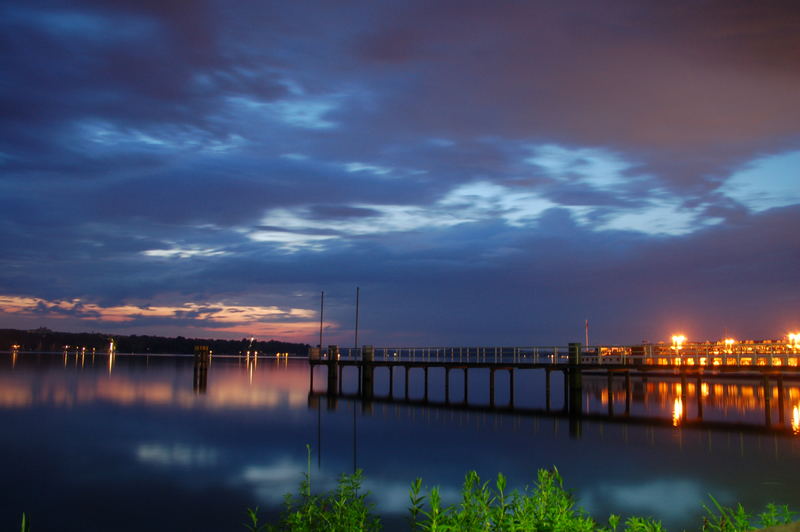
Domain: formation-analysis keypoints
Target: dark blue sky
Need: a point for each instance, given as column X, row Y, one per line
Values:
column 486, row 172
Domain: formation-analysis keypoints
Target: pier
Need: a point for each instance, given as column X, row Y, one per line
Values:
column 767, row 365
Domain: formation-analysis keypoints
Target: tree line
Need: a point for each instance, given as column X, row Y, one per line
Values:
column 44, row 339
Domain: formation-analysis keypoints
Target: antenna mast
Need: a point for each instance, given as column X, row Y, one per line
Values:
column 321, row 310
column 587, row 332
column 358, row 292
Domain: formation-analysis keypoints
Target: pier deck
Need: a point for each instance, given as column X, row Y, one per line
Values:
column 773, row 363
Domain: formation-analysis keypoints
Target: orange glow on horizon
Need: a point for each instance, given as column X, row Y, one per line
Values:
column 271, row 321
column 296, row 330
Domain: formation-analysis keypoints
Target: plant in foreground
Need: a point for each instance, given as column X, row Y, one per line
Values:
column 253, row 525
column 484, row 507
column 344, row 508
column 736, row 519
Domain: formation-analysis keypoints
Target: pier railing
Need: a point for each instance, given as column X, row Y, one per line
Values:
column 773, row 354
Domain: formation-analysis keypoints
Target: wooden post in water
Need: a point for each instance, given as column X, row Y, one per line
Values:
column 547, row 389
column 391, row 382
column 446, row 385
column 406, row 383
column 767, row 402
column 466, row 385
column 575, row 386
column 202, row 360
column 367, row 371
column 491, row 387
column 610, row 386
column 780, row 398
column 627, row 394
column 426, row 383
column 314, row 354
column 699, row 392
column 511, row 387
column 333, row 370
column 684, row 396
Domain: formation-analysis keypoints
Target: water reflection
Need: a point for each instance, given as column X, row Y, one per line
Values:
column 118, row 379
column 677, row 412
column 720, row 401
column 200, row 381
column 174, row 428
column 239, row 382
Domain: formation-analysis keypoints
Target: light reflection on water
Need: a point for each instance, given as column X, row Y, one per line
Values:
column 156, row 433
column 233, row 387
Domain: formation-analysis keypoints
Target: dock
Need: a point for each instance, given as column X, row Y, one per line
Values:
column 768, row 364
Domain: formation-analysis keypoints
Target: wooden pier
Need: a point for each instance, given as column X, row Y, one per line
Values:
column 572, row 361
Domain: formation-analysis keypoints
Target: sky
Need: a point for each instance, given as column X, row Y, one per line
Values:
column 488, row 173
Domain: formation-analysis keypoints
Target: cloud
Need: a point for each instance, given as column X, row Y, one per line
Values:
column 269, row 482
column 371, row 168
column 767, row 182
column 212, row 315
column 594, row 167
column 182, row 253
column 175, row 455
column 471, row 203
column 305, row 113
column 661, row 499
column 448, row 158
column 658, row 217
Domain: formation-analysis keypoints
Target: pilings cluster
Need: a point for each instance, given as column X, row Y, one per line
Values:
column 366, row 364
column 202, row 361
column 572, row 363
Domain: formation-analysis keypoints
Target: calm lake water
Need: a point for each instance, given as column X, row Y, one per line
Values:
column 144, row 443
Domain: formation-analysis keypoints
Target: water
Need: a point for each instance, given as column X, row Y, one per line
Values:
column 138, row 442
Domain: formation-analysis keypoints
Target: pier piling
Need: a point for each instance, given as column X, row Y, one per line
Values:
column 574, row 379
column 699, row 393
column 628, row 393
column 547, row 388
column 767, row 401
column 202, row 360
column 367, row 371
column 491, row 387
column 692, row 370
column 333, row 369
column 511, row 387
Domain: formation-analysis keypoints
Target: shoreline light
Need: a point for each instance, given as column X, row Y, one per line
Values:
column 677, row 341
column 794, row 340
